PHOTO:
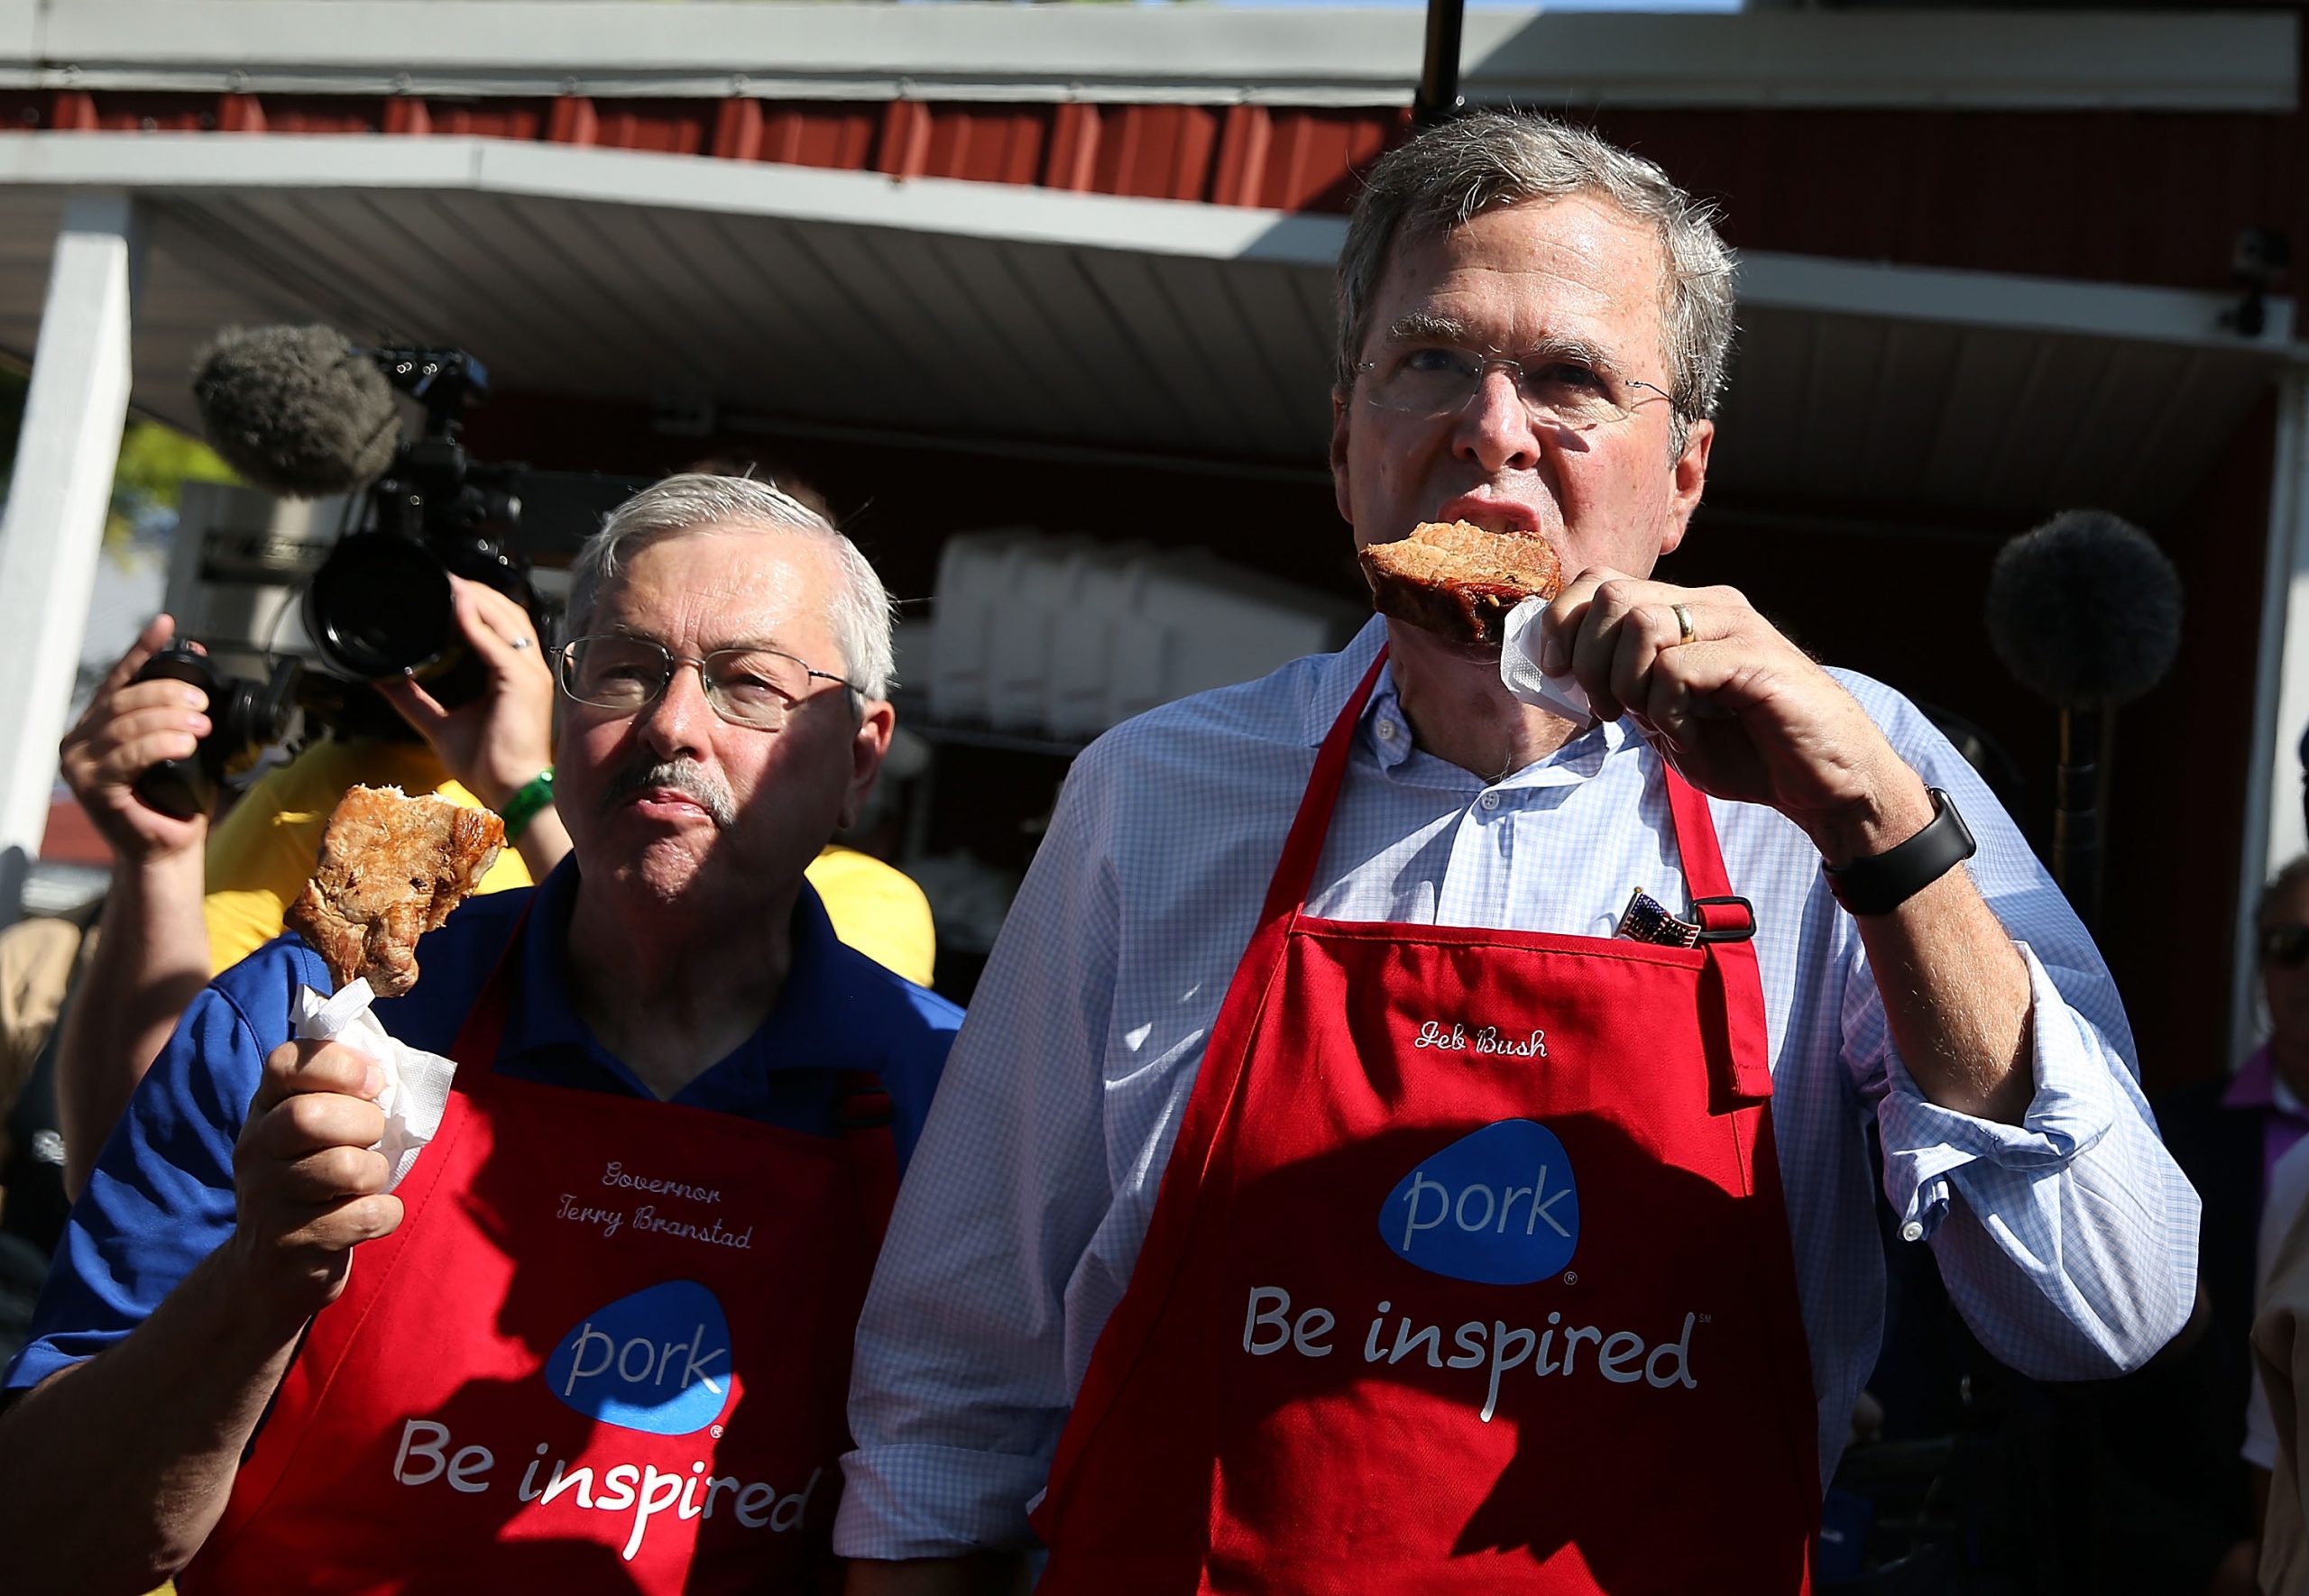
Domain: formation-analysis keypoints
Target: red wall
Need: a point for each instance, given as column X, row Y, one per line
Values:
column 1905, row 605
column 2154, row 197
column 2175, row 841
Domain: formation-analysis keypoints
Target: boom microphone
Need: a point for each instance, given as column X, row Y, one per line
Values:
column 298, row 412
column 2084, row 611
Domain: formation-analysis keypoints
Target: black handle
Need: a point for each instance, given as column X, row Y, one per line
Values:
column 2076, row 815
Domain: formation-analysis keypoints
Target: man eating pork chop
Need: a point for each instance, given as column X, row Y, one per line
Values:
column 1410, row 1140
column 597, row 1338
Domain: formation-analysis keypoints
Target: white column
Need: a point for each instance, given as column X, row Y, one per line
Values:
column 49, row 542
column 2274, row 830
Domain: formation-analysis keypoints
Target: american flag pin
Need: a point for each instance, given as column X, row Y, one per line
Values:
column 1648, row 921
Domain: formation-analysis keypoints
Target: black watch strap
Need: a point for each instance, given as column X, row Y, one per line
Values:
column 1882, row 884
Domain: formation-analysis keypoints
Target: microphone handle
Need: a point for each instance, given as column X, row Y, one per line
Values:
column 2076, row 814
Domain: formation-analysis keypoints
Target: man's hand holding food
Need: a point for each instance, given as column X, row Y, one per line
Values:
column 1744, row 715
column 1740, row 710
column 307, row 1185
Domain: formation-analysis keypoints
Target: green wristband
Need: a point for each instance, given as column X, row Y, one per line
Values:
column 522, row 807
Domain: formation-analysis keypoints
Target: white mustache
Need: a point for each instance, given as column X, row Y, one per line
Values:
column 685, row 777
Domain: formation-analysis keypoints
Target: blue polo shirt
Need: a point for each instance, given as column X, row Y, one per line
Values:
column 161, row 1195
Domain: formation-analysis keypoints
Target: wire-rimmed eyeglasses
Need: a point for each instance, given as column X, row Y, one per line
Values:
column 1439, row 380
column 750, row 687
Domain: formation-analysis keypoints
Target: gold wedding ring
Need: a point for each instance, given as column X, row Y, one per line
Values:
column 1684, row 621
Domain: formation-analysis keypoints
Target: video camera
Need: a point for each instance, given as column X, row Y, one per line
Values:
column 380, row 605
column 301, row 412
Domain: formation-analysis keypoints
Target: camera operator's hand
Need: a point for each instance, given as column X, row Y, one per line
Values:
column 307, row 1186
column 129, row 727
column 501, row 739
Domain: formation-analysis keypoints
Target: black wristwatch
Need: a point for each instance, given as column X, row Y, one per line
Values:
column 1882, row 884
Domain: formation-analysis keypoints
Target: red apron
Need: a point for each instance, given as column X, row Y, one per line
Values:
column 608, row 1349
column 1470, row 1272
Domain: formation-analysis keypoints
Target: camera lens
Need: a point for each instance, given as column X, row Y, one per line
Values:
column 380, row 607
column 249, row 717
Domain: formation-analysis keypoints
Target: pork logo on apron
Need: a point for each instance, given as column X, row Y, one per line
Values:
column 657, row 1361
column 1497, row 1207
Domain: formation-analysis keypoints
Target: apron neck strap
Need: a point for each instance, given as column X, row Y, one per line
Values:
column 1703, row 860
column 1303, row 850
column 1736, row 980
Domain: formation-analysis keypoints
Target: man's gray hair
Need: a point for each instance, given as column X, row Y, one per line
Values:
column 859, row 612
column 1451, row 174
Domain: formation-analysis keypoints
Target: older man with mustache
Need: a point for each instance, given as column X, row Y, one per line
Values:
column 598, row 1335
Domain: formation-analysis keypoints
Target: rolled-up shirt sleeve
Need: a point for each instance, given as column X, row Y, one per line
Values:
column 2068, row 1242
column 960, row 1382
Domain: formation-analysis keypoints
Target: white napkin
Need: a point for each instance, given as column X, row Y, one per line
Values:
column 417, row 1084
column 1519, row 667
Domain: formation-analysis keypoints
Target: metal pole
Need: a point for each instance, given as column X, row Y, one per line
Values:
column 2077, row 820
column 1438, row 78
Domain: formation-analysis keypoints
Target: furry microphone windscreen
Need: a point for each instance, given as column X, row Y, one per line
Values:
column 2085, row 610
column 298, row 412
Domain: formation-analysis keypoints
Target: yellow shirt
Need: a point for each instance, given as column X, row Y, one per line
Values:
column 877, row 909
column 261, row 854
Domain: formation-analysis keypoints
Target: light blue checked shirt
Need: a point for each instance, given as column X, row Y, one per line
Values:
column 2069, row 1242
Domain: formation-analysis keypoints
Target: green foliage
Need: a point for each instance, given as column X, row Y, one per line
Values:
column 148, row 484
column 155, row 464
